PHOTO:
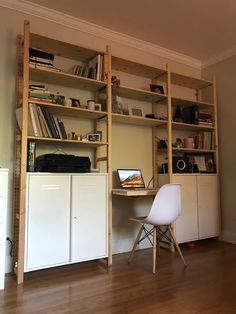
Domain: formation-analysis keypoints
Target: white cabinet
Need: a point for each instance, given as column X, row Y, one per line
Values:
column 66, row 219
column 89, row 217
column 208, row 206
column 3, row 218
column 199, row 217
column 186, row 226
column 48, row 221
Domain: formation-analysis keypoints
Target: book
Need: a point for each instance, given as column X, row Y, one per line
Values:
column 43, row 101
column 35, row 53
column 62, row 128
column 42, row 122
column 95, row 67
column 34, row 106
column 33, row 120
column 55, row 126
column 19, row 121
column 37, row 87
column 49, row 121
column 31, row 152
column 45, row 122
column 44, row 67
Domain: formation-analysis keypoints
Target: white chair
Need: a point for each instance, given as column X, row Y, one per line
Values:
column 165, row 210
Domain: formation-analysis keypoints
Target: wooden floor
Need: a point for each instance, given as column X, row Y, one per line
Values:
column 207, row 285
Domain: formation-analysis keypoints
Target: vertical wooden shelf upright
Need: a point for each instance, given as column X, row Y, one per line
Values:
column 68, row 80
column 200, row 215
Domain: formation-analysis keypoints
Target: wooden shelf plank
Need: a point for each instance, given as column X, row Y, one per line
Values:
column 135, row 120
column 193, row 150
column 72, row 112
column 138, row 94
column 137, row 192
column 58, row 140
column 134, row 68
column 65, row 79
column 62, row 49
column 185, row 126
column 190, row 82
column 186, row 102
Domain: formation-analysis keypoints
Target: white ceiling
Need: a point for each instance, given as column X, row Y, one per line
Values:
column 201, row 29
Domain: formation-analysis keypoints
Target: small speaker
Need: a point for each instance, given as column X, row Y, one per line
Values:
column 180, row 165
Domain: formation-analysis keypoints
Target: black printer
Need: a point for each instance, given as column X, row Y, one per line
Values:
column 62, row 163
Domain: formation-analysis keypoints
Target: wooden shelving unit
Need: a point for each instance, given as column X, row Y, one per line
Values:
column 60, row 79
column 103, row 150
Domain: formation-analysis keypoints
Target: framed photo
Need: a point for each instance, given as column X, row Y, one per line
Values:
column 135, row 111
column 157, row 88
column 75, row 102
column 94, row 137
column 205, row 162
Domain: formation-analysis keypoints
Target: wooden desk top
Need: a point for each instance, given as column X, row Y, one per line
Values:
column 138, row 192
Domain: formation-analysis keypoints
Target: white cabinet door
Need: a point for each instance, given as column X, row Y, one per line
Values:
column 89, row 217
column 48, row 221
column 208, row 206
column 186, row 225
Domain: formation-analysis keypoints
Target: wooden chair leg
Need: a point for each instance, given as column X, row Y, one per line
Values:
column 176, row 245
column 154, row 249
column 158, row 244
column 135, row 244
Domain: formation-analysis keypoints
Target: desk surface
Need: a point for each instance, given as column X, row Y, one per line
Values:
column 141, row 192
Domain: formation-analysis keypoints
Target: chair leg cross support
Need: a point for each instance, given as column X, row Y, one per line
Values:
column 157, row 235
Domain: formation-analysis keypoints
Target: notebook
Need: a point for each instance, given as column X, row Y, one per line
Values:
column 131, row 178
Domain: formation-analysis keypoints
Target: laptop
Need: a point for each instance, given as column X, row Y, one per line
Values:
column 131, row 179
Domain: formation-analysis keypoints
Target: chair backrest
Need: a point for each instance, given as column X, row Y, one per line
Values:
column 166, row 206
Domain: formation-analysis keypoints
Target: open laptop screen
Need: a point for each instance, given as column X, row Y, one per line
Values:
column 131, row 178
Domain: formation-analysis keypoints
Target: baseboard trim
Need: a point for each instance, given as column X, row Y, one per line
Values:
column 228, row 236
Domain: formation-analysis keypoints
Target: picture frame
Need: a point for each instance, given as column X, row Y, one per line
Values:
column 157, row 89
column 75, row 102
column 135, row 111
column 94, row 137
column 205, row 162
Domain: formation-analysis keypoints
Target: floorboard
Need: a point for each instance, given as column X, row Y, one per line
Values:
column 207, row 285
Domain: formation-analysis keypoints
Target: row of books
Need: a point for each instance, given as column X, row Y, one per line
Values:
column 45, row 124
column 204, row 140
column 93, row 69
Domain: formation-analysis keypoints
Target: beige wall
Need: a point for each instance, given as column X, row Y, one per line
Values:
column 138, row 150
column 225, row 73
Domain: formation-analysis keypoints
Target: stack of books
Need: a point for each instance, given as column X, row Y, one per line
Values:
column 45, row 124
column 39, row 93
column 93, row 69
column 205, row 119
column 41, row 59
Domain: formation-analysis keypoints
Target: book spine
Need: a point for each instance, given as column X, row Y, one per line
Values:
column 42, row 122
column 31, row 156
column 33, row 120
column 37, row 120
column 45, row 122
column 49, row 121
column 62, row 129
column 54, row 125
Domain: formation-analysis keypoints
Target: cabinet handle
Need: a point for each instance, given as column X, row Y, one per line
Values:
column 50, row 187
